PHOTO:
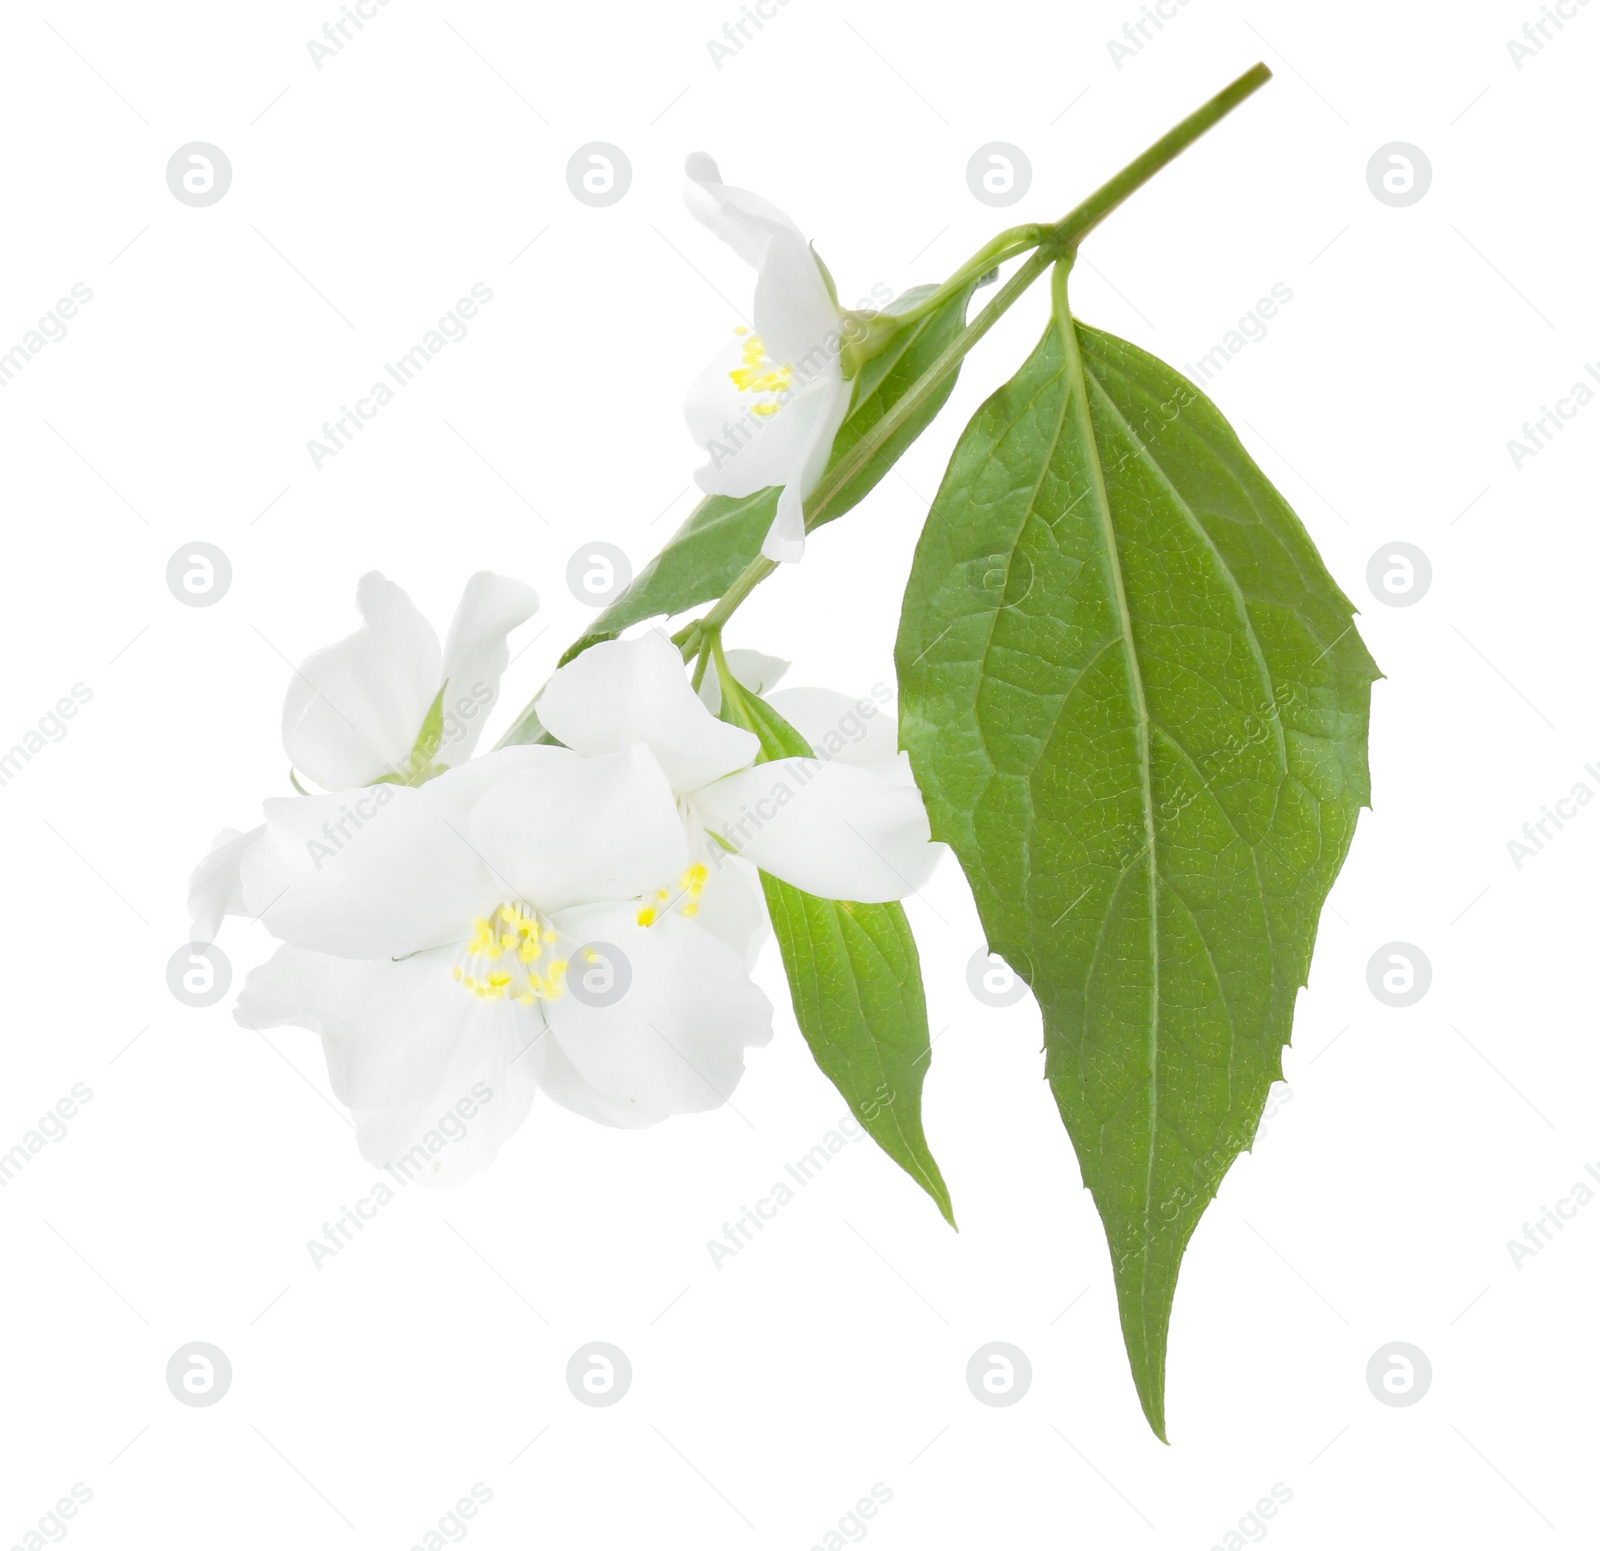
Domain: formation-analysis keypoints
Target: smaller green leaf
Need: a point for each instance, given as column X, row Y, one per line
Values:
column 719, row 539
column 856, row 982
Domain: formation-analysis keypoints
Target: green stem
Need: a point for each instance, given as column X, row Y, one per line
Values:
column 1011, row 242
column 1080, row 222
column 714, row 647
column 734, row 704
column 703, row 650
column 743, row 585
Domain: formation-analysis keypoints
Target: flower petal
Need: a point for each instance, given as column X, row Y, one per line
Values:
column 796, row 317
column 354, row 709
column 214, row 887
column 446, row 1139
column 624, row 692
column 388, row 1027
column 786, row 539
column 673, row 1043
column 459, row 790
column 751, row 451
column 436, row 1079
column 755, row 670
column 854, row 732
column 378, row 871
column 605, row 828
column 743, row 220
column 794, row 309
column 830, row 829
column 475, row 657
column 731, row 904
column 562, row 1083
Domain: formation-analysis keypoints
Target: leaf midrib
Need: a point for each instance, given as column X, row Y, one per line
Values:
column 1077, row 382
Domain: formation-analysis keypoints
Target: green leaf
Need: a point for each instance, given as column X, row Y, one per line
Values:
column 1136, row 704
column 699, row 562
column 723, row 535
column 856, row 982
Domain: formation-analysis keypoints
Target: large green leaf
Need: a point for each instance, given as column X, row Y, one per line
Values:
column 856, row 982
column 1137, row 706
column 723, row 535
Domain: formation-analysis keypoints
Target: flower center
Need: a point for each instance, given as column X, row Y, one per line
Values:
column 511, row 956
column 759, row 375
column 686, row 901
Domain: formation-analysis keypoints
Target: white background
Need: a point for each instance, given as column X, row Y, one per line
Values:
column 829, row 1355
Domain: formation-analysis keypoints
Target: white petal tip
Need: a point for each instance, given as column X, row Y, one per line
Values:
column 701, row 168
column 784, row 551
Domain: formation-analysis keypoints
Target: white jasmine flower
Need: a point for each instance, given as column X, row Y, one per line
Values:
column 355, row 710
column 769, row 405
column 481, row 935
column 834, row 829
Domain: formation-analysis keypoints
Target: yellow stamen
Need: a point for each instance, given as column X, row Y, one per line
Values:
column 502, row 956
